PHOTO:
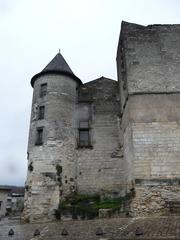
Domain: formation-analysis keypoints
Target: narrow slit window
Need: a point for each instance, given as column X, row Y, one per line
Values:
column 41, row 112
column 43, row 89
column 39, row 136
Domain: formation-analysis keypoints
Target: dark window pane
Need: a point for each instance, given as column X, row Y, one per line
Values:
column 84, row 138
column 41, row 112
column 43, row 89
column 39, row 136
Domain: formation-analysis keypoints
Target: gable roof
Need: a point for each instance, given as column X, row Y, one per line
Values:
column 57, row 65
column 100, row 79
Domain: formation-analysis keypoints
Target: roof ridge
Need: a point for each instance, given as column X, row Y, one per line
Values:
column 99, row 79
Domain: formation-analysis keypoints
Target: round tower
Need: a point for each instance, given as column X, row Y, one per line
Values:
column 52, row 140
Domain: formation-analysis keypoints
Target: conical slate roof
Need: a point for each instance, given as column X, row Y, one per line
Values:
column 58, row 65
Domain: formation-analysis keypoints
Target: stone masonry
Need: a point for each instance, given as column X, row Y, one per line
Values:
column 156, row 228
column 4, row 192
column 109, row 137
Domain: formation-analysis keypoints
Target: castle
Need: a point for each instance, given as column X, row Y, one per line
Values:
column 106, row 136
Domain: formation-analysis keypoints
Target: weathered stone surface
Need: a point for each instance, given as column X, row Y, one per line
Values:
column 58, row 148
column 105, row 213
column 3, row 199
column 113, row 229
column 100, row 169
column 158, row 198
column 151, row 58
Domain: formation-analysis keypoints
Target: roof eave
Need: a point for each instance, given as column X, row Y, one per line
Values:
column 54, row 72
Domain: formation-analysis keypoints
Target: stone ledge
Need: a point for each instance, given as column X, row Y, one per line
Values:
column 157, row 182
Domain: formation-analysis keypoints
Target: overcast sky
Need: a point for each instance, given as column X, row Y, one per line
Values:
column 32, row 32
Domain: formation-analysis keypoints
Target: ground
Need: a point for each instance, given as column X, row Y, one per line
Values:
column 113, row 229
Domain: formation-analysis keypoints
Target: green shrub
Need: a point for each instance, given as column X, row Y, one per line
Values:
column 87, row 207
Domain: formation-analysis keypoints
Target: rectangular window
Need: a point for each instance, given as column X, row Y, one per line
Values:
column 39, row 136
column 84, row 138
column 41, row 112
column 43, row 89
column 84, row 134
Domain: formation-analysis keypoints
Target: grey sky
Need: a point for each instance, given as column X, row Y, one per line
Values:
column 31, row 33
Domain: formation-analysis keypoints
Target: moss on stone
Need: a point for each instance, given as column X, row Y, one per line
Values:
column 87, row 207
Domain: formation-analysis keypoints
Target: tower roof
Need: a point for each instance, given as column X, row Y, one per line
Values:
column 57, row 65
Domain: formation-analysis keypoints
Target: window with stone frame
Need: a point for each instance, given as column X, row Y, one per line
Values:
column 39, row 136
column 41, row 112
column 84, row 134
column 43, row 89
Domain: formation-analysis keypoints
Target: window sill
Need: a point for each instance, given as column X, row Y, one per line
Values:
column 85, row 147
column 38, row 144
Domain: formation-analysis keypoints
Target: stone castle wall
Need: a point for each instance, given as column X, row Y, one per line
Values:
column 157, row 197
column 155, row 135
column 44, row 186
column 100, row 168
column 133, row 126
column 95, row 169
column 148, row 61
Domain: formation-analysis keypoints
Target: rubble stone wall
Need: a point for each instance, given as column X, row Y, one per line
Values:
column 156, row 198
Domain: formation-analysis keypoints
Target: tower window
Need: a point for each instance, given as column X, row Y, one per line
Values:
column 84, row 138
column 43, row 89
column 39, row 136
column 84, row 134
column 41, row 112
